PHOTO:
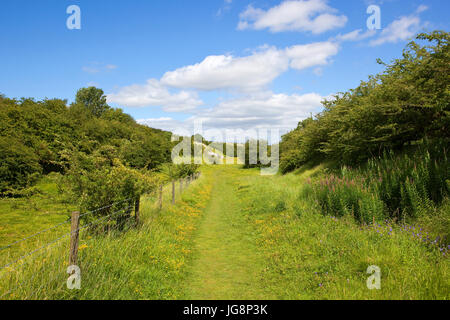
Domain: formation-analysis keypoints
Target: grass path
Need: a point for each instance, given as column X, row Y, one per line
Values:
column 227, row 262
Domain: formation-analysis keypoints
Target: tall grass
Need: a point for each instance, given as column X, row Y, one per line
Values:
column 397, row 187
column 134, row 262
column 312, row 256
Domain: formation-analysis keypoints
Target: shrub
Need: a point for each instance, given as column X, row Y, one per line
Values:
column 19, row 165
column 100, row 180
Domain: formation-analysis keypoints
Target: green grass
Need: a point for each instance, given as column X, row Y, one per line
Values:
column 147, row 262
column 225, row 250
column 312, row 256
column 22, row 217
column 237, row 235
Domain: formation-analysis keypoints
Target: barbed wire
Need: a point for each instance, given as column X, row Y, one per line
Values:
column 56, row 274
column 49, row 244
column 105, row 207
column 34, row 235
column 60, row 238
column 60, row 224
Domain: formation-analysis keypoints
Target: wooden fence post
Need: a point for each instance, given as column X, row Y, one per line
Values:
column 74, row 238
column 136, row 210
column 173, row 191
column 160, row 196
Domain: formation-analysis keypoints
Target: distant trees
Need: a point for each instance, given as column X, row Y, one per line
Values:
column 39, row 137
column 173, row 172
column 402, row 105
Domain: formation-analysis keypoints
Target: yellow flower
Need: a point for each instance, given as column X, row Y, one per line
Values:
column 83, row 246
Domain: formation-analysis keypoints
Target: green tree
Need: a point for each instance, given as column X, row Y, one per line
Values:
column 403, row 105
column 93, row 99
column 19, row 165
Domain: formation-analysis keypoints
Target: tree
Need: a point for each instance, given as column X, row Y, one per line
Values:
column 93, row 99
column 405, row 104
column 19, row 165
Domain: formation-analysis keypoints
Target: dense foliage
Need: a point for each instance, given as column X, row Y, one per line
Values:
column 386, row 142
column 390, row 187
column 83, row 140
column 406, row 103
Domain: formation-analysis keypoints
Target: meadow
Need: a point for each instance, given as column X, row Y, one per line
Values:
column 139, row 262
column 235, row 234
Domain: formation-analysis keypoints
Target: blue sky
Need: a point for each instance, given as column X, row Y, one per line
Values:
column 233, row 64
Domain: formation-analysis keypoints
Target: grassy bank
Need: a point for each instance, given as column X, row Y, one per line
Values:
column 238, row 235
column 147, row 262
column 313, row 256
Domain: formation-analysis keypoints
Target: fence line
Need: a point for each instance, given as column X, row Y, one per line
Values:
column 34, row 235
column 59, row 238
column 60, row 224
column 76, row 228
column 187, row 181
column 52, row 243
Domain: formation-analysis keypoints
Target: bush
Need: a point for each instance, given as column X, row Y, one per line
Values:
column 19, row 165
column 100, row 180
column 171, row 172
column 406, row 103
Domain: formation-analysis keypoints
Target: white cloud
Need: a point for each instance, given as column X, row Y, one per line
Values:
column 226, row 71
column 309, row 55
column 154, row 94
column 318, row 72
column 250, row 73
column 356, row 35
column 401, row 29
column 264, row 110
column 421, row 8
column 225, row 8
column 313, row 16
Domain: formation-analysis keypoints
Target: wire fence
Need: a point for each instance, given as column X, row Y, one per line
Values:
column 42, row 273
